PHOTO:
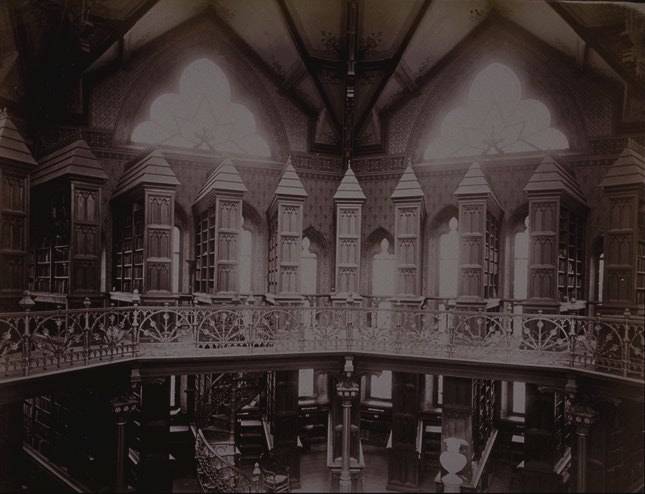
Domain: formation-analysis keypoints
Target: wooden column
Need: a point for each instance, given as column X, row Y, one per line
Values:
column 349, row 199
column 121, row 407
column 143, row 256
column 557, row 212
column 218, row 213
column 155, row 470
column 546, row 440
column 16, row 162
column 11, row 438
column 404, row 465
column 479, row 219
column 624, row 242
column 285, row 236
column 408, row 225
column 285, row 422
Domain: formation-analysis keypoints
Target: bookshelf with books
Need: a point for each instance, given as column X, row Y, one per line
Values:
column 66, row 224
column 218, row 229
column 491, row 258
column 570, row 256
column 128, row 251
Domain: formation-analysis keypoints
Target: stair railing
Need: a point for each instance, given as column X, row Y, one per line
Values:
column 483, row 465
column 214, row 473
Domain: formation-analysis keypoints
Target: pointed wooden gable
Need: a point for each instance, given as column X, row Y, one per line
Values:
column 349, row 188
column 551, row 176
column 474, row 182
column 152, row 169
column 12, row 145
column 224, row 178
column 75, row 159
column 290, row 184
column 628, row 169
column 408, row 186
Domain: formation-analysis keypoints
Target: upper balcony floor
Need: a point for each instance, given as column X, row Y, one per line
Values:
column 256, row 334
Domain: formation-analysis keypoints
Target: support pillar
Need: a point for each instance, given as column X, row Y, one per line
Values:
column 347, row 391
column 155, row 474
column 121, row 407
column 546, row 441
column 404, row 466
column 285, row 422
column 583, row 417
column 11, row 438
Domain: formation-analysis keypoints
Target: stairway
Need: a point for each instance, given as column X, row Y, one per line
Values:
column 431, row 442
column 250, row 439
column 242, row 394
column 312, row 423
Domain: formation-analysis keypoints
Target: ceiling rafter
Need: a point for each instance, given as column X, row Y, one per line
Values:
column 393, row 63
column 308, row 62
column 284, row 85
column 594, row 42
column 122, row 29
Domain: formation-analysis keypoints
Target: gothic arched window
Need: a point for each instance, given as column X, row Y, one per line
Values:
column 449, row 260
column 496, row 119
column 201, row 115
column 521, row 262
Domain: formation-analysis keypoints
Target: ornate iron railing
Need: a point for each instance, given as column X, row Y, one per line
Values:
column 215, row 474
column 40, row 341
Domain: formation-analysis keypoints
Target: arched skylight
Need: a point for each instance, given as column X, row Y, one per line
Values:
column 496, row 120
column 202, row 116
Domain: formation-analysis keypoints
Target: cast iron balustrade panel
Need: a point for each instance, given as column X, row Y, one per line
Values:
column 34, row 342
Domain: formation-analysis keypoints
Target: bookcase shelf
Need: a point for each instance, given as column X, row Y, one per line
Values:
column 570, row 256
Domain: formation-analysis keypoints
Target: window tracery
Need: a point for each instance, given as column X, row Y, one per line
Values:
column 496, row 120
column 201, row 115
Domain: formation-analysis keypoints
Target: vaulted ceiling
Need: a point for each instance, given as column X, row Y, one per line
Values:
column 350, row 60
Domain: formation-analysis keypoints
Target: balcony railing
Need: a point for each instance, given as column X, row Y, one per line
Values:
column 42, row 341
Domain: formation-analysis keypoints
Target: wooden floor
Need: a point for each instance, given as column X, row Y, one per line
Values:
column 315, row 477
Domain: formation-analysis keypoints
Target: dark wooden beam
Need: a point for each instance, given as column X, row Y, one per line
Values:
column 283, row 85
column 121, row 31
column 307, row 60
column 393, row 64
column 595, row 42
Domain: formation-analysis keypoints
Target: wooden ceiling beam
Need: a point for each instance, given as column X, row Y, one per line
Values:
column 284, row 85
column 595, row 42
column 308, row 62
column 392, row 64
column 121, row 31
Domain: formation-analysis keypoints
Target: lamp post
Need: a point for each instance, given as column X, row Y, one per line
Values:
column 347, row 390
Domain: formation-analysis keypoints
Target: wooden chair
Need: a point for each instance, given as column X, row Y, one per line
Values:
column 275, row 474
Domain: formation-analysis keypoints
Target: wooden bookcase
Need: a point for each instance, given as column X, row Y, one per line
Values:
column 491, row 258
column 570, row 255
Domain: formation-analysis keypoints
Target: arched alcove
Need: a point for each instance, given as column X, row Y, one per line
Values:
column 373, row 246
